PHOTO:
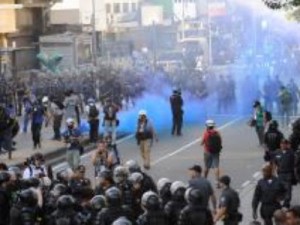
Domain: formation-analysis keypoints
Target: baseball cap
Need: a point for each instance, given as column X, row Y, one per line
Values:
column 196, row 168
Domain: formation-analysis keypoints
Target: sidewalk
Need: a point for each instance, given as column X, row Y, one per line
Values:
column 24, row 147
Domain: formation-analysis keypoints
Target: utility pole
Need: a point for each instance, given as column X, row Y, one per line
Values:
column 209, row 36
column 94, row 38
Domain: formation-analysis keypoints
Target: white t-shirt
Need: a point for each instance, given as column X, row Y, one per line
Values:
column 33, row 171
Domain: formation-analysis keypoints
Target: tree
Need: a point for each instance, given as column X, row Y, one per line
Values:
column 279, row 4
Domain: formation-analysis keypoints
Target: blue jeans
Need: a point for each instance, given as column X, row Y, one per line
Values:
column 26, row 122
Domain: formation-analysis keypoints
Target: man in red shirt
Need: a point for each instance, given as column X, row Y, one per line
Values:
column 212, row 143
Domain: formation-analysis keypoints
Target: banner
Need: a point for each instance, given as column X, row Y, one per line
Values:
column 217, row 8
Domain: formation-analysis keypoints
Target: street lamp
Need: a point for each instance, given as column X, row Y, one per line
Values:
column 94, row 38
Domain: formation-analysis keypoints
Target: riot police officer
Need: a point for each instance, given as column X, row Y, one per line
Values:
column 65, row 213
column 272, row 139
column 164, row 190
column 269, row 192
column 4, row 198
column 284, row 160
column 153, row 214
column 113, row 210
column 176, row 102
column 121, row 180
column 148, row 183
column 97, row 203
column 122, row 221
column 26, row 211
column 229, row 204
column 177, row 203
column 195, row 213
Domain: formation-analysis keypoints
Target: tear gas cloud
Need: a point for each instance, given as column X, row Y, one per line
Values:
column 261, row 43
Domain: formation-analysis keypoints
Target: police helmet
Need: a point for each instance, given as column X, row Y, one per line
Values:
column 33, row 182
column 136, row 177
column 178, row 190
column 193, row 195
column 97, row 202
column 133, row 166
column 122, row 221
column 176, row 186
column 4, row 177
column 163, row 183
column 120, row 174
column 28, row 197
column 113, row 196
column 91, row 101
column 59, row 190
column 65, row 202
column 105, row 174
column 150, row 200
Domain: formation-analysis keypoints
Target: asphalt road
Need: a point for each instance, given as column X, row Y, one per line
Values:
column 172, row 156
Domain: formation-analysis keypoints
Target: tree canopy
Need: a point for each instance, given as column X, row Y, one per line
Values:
column 278, row 4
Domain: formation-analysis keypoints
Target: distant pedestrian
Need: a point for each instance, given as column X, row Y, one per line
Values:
column 176, row 102
column 212, row 143
column 56, row 113
column 258, row 118
column 111, row 121
column 286, row 103
column 73, row 140
column 295, row 92
column 145, row 135
column 28, row 105
column 37, row 120
column 93, row 119
column 72, row 106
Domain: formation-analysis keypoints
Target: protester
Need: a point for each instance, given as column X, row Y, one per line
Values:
column 145, row 135
column 212, row 143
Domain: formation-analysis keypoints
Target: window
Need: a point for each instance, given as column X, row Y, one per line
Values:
column 125, row 7
column 108, row 8
column 134, row 7
column 117, row 8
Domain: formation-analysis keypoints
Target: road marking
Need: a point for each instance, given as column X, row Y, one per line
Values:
column 256, row 175
column 245, row 184
column 63, row 165
column 192, row 143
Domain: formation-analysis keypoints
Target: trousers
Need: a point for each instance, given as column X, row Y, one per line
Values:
column 145, row 151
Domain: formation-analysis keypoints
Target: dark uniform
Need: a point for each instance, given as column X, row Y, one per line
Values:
column 285, row 162
column 268, row 192
column 230, row 200
column 272, row 141
column 177, row 112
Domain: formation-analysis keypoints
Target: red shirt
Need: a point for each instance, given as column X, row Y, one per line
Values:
column 205, row 137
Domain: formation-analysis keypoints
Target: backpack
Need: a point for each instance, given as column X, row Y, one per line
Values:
column 93, row 112
column 286, row 97
column 214, row 143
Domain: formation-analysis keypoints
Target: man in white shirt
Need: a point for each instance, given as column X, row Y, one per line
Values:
column 36, row 167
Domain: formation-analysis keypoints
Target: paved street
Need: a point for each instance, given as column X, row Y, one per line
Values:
column 171, row 156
